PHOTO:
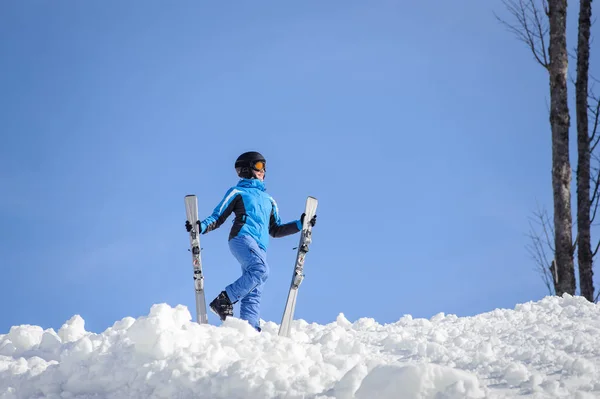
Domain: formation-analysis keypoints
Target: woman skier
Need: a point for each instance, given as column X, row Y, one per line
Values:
column 256, row 217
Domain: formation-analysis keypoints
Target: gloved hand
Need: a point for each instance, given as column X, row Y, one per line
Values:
column 188, row 226
column 312, row 222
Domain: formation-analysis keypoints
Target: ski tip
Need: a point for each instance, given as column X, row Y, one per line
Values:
column 190, row 196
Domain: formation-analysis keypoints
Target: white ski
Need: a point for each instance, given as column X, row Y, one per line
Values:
column 298, row 275
column 191, row 211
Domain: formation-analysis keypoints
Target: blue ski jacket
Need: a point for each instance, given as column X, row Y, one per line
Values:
column 256, row 214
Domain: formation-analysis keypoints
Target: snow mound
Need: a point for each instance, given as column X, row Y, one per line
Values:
column 544, row 349
column 416, row 381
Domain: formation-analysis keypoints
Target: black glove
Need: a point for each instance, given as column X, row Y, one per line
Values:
column 188, row 225
column 312, row 222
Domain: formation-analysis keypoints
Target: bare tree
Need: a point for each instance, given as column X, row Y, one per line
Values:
column 561, row 167
column 541, row 248
column 584, row 251
column 594, row 116
column 531, row 28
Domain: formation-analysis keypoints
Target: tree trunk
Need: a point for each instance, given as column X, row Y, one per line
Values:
column 584, row 250
column 561, row 168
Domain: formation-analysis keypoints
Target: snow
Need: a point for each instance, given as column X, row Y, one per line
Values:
column 544, row 349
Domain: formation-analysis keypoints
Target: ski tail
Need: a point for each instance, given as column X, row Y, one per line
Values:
column 191, row 211
column 298, row 274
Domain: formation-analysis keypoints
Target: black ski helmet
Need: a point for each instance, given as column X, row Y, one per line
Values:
column 245, row 163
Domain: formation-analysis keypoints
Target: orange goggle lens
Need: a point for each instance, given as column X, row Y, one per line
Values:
column 259, row 165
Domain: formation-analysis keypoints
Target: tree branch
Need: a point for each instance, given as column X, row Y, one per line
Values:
column 542, row 31
column 530, row 27
column 596, row 250
column 596, row 116
column 541, row 245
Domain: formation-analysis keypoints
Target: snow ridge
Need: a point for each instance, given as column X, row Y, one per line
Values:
column 544, row 349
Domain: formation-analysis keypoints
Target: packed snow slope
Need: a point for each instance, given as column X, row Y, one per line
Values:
column 545, row 349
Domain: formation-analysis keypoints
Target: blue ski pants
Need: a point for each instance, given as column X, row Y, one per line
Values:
column 248, row 288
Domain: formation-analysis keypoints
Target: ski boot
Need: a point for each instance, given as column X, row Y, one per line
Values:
column 222, row 306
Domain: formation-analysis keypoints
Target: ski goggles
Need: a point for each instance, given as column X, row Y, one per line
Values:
column 259, row 165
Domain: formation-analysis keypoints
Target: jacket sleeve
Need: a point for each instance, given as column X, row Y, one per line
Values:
column 277, row 229
column 221, row 211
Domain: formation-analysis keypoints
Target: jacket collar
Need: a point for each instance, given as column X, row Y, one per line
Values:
column 252, row 183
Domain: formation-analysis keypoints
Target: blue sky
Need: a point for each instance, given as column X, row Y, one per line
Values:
column 421, row 128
